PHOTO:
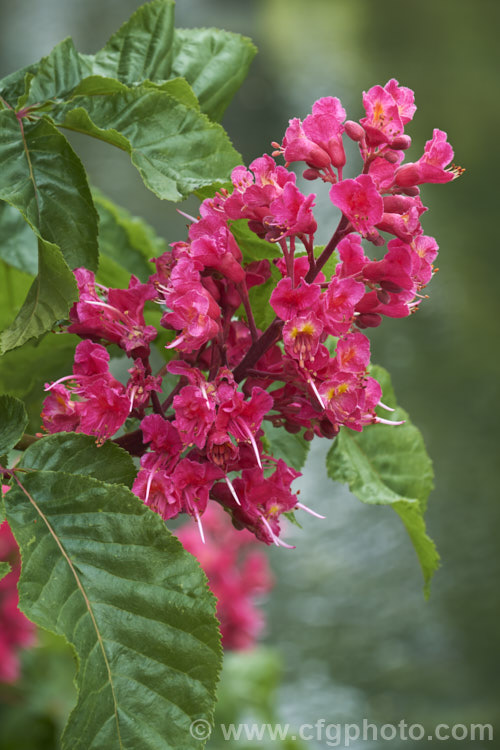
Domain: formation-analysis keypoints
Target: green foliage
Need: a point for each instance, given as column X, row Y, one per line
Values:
column 125, row 239
column 292, row 448
column 387, row 465
column 78, row 454
column 131, row 601
column 48, row 301
column 13, row 420
column 135, row 94
column 4, row 569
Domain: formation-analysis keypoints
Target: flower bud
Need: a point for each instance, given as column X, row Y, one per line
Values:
column 383, row 296
column 401, row 143
column 368, row 320
column 310, row 174
column 354, row 130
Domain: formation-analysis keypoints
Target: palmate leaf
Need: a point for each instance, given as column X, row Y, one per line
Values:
column 389, row 466
column 175, row 147
column 44, row 179
column 101, row 569
column 48, row 300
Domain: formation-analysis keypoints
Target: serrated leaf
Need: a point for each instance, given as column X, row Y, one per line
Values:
column 133, row 603
column 126, row 239
column 175, row 148
column 292, row 448
column 14, row 85
column 44, row 179
column 57, row 74
column 13, row 421
column 214, row 62
column 142, row 48
column 24, row 371
column 48, row 300
column 18, row 244
column 79, row 454
column 389, row 465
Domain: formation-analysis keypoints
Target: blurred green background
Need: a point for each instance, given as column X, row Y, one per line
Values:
column 347, row 621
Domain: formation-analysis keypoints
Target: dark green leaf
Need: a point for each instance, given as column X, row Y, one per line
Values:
column 175, row 148
column 48, row 300
column 142, row 48
column 126, row 239
column 14, row 85
column 14, row 286
column 18, row 244
column 44, row 179
column 292, row 448
column 79, row 454
column 389, row 465
column 132, row 602
column 214, row 62
column 13, row 421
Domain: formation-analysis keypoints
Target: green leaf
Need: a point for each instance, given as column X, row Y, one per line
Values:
column 252, row 246
column 126, row 239
column 44, row 179
column 259, row 299
column 13, row 421
column 79, row 454
column 18, row 244
column 57, row 74
column 100, row 568
column 292, row 448
column 4, row 569
column 14, row 85
column 14, row 286
column 175, row 148
column 214, row 62
column 48, row 300
column 24, row 371
column 389, row 465
column 142, row 48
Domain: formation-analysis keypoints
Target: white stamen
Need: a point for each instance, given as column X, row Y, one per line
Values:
column 233, row 491
column 108, row 307
column 316, row 392
column 61, row 380
column 277, row 541
column 379, row 420
column 176, row 341
column 198, row 521
column 132, row 396
column 308, row 510
column 248, row 432
column 186, row 216
column 384, row 406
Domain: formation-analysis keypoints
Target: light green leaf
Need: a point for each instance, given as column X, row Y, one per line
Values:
column 142, row 48
column 259, row 299
column 126, row 239
column 44, row 179
column 175, row 148
column 252, row 246
column 4, row 569
column 18, row 244
column 13, row 421
column 214, row 62
column 292, row 448
column 24, row 371
column 389, row 465
column 100, row 568
column 79, row 454
column 48, row 300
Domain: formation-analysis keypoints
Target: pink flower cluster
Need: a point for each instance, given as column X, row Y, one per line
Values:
column 16, row 631
column 237, row 572
column 202, row 442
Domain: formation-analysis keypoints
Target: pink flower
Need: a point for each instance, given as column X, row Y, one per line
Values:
column 383, row 122
column 16, row 631
column 432, row 165
column 287, row 302
column 360, row 201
